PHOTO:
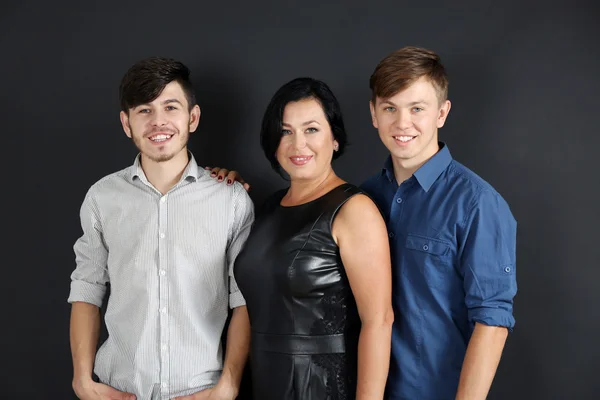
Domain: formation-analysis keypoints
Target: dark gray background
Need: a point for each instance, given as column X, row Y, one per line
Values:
column 524, row 91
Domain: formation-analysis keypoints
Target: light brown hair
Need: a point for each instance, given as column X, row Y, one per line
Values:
column 403, row 67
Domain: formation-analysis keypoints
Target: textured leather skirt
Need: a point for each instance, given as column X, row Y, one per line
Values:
column 303, row 367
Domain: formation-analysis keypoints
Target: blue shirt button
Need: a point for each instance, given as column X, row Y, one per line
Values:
column 391, row 234
column 425, row 247
column 398, row 200
column 507, row 269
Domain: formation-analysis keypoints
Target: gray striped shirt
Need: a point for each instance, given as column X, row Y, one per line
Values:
column 169, row 261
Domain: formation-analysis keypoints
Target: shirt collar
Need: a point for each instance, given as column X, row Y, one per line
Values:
column 388, row 169
column 428, row 172
column 191, row 171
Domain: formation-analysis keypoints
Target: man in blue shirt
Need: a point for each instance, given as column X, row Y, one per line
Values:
column 452, row 237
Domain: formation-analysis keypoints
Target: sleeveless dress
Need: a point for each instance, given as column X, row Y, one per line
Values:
column 304, row 320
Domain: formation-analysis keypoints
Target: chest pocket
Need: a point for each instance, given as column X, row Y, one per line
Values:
column 432, row 258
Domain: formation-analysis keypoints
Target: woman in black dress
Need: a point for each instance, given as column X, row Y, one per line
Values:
column 315, row 271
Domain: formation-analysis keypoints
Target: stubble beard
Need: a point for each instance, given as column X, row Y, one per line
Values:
column 138, row 142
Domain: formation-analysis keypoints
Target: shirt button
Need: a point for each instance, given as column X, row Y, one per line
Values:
column 162, row 235
column 163, row 272
column 163, row 310
column 164, row 384
column 163, row 199
column 425, row 247
column 507, row 269
column 398, row 200
column 391, row 234
column 164, row 347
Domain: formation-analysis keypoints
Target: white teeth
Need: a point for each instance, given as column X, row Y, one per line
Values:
column 300, row 158
column 160, row 138
column 403, row 138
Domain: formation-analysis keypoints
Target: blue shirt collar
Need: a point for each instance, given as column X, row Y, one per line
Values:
column 428, row 172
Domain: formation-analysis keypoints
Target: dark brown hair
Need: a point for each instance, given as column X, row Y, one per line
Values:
column 403, row 67
column 146, row 79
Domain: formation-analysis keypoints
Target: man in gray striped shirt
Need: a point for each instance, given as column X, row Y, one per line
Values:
column 164, row 235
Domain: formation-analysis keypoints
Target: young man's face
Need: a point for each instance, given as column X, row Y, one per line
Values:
column 408, row 122
column 161, row 128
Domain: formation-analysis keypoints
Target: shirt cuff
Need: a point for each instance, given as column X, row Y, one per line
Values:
column 236, row 299
column 87, row 293
column 493, row 317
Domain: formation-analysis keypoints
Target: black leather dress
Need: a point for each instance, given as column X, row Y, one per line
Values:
column 305, row 324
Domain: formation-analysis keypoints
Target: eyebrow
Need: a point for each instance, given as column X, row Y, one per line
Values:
column 304, row 123
column 412, row 103
column 168, row 101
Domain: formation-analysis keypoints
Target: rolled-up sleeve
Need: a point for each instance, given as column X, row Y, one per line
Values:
column 89, row 279
column 243, row 218
column 488, row 261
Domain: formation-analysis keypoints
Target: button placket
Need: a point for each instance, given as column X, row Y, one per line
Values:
column 163, row 293
column 397, row 210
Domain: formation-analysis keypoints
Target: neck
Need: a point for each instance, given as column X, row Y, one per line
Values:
column 164, row 175
column 404, row 169
column 304, row 190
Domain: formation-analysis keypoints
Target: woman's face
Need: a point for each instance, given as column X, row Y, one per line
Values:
column 307, row 144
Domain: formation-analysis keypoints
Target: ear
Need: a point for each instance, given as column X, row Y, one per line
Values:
column 373, row 116
column 125, row 123
column 336, row 145
column 194, row 118
column 443, row 113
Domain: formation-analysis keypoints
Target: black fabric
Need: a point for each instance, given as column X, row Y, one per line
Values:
column 305, row 323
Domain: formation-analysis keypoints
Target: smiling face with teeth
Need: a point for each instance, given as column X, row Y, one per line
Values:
column 307, row 143
column 408, row 123
column 160, row 129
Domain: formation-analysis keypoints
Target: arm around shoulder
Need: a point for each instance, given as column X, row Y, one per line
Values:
column 242, row 220
column 238, row 333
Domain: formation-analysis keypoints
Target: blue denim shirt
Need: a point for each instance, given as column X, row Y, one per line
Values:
column 453, row 245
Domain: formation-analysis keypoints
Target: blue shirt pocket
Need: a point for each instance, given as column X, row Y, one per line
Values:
column 431, row 257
